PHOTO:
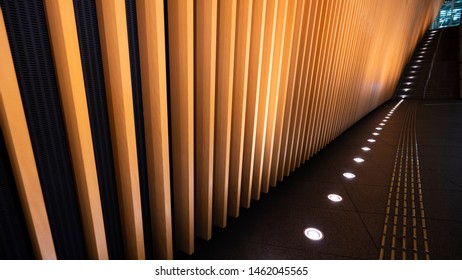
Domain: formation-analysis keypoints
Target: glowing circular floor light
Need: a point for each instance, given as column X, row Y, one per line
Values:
column 366, row 149
column 358, row 160
column 334, row 197
column 378, row 128
column 349, row 175
column 376, row 134
column 382, row 124
column 371, row 140
column 314, row 234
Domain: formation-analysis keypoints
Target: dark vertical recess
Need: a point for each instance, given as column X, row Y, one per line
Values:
column 14, row 238
column 90, row 51
column 28, row 37
column 132, row 27
column 169, row 115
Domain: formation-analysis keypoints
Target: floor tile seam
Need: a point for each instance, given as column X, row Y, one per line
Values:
column 449, row 179
column 346, row 210
column 444, row 220
column 339, row 255
column 268, row 243
column 359, row 216
column 419, row 184
column 310, row 250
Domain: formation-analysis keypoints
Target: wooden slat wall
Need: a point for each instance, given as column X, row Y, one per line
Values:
column 224, row 94
column 236, row 95
column 63, row 33
column 274, row 84
column 14, row 127
column 257, row 35
column 204, row 105
column 288, row 39
column 240, row 86
column 116, row 63
column 151, row 30
column 181, row 60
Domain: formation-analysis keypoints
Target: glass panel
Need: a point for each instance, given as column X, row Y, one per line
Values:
column 449, row 15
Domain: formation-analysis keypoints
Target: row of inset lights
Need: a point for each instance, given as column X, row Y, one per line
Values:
column 350, row 175
column 415, row 67
column 314, row 233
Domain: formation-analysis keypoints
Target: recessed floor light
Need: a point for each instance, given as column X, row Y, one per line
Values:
column 376, row 134
column 387, row 117
column 385, row 120
column 378, row 128
column 371, row 140
column 349, row 175
column 358, row 159
column 382, row 124
column 415, row 66
column 366, row 149
column 314, row 234
column 410, row 77
column 334, row 197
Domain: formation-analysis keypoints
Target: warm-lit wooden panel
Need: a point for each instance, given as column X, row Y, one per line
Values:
column 181, row 66
column 321, row 19
column 346, row 61
column 153, row 66
column 240, row 85
column 304, row 93
column 264, row 97
column 307, row 87
column 338, row 69
column 332, row 71
column 298, row 95
column 66, row 54
column 224, row 99
column 253, row 95
column 274, row 93
column 327, row 34
column 112, row 25
column 286, row 46
column 14, row 127
column 205, row 25
column 300, row 10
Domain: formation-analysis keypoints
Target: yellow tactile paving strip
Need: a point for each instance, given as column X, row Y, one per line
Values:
column 404, row 231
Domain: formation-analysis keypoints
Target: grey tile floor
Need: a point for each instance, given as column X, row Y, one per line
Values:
column 273, row 227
